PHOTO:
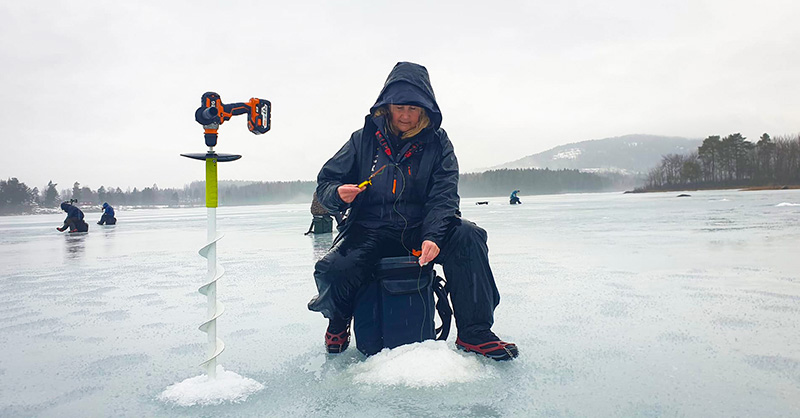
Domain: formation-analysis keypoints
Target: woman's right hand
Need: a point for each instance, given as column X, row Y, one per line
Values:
column 348, row 192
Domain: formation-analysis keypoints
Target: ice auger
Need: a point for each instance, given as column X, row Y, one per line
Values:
column 211, row 114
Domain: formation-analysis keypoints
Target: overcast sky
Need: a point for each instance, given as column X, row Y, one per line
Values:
column 104, row 92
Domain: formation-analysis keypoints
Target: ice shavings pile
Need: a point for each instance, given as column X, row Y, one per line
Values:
column 425, row 364
column 200, row 390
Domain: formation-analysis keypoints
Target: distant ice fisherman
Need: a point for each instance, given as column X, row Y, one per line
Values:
column 108, row 215
column 74, row 220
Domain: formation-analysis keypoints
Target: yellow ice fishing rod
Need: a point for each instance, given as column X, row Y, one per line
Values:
column 368, row 181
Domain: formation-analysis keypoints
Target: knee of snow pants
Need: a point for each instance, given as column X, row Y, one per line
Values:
column 465, row 259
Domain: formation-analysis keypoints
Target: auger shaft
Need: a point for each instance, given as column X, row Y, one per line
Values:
column 211, row 294
column 210, row 289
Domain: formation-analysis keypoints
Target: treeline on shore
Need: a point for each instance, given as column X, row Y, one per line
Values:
column 16, row 197
column 532, row 181
column 731, row 161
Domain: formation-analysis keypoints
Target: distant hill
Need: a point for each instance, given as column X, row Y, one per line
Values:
column 629, row 154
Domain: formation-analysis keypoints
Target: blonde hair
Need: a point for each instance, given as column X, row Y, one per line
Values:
column 423, row 123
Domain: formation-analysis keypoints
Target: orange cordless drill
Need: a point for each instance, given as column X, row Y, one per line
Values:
column 212, row 113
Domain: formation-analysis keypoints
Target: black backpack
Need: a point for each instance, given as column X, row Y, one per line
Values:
column 398, row 306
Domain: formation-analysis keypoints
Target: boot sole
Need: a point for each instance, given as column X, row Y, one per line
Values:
column 336, row 349
column 509, row 352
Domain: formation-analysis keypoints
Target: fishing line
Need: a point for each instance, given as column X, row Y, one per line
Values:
column 402, row 242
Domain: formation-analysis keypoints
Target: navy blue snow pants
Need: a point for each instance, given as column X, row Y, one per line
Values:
column 77, row 225
column 464, row 256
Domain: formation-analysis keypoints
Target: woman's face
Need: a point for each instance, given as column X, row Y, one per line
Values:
column 404, row 117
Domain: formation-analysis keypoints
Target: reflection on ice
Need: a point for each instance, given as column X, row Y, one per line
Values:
column 75, row 244
column 321, row 243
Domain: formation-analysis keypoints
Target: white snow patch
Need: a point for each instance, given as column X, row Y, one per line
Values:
column 569, row 154
column 425, row 364
column 202, row 391
column 606, row 170
column 787, row 204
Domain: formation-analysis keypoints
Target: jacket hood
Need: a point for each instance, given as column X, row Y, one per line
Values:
column 65, row 206
column 409, row 83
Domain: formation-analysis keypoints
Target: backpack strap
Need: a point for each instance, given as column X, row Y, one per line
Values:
column 442, row 307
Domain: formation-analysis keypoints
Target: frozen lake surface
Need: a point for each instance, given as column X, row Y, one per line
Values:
column 621, row 305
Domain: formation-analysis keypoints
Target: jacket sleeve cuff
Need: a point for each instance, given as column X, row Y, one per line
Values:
column 341, row 205
column 434, row 239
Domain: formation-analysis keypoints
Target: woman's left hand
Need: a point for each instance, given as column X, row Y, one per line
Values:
column 429, row 252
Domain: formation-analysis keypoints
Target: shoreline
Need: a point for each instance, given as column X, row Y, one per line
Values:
column 740, row 188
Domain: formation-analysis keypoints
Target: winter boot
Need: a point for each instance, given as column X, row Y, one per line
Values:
column 337, row 336
column 61, row 228
column 488, row 345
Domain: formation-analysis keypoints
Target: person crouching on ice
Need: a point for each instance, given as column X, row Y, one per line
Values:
column 108, row 215
column 412, row 204
column 74, row 220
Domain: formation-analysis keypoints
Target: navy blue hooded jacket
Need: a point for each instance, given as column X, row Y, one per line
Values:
column 108, row 210
column 418, row 187
column 72, row 211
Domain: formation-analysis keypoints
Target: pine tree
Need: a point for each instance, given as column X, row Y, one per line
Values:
column 76, row 191
column 101, row 194
column 51, row 195
column 15, row 196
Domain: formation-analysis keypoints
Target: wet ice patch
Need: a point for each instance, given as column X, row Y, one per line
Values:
column 200, row 390
column 425, row 364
